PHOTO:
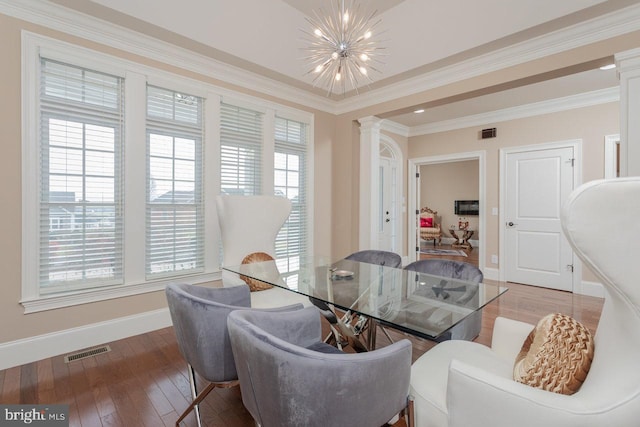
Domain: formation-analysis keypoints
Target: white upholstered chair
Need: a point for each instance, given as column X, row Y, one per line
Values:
column 461, row 384
column 250, row 224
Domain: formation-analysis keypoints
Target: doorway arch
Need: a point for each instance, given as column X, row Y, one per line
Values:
column 372, row 144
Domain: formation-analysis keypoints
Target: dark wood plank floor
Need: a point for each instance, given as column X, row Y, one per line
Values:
column 143, row 380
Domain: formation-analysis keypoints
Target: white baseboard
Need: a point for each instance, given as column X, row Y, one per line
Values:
column 491, row 273
column 32, row 349
column 592, row 289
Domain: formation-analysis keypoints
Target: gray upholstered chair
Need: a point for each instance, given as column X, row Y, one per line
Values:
column 287, row 379
column 199, row 316
column 250, row 224
column 369, row 256
column 470, row 327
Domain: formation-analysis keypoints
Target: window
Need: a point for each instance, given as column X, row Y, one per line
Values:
column 174, row 212
column 290, row 180
column 122, row 158
column 80, row 194
column 240, row 150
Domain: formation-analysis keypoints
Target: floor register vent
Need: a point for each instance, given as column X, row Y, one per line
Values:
column 87, row 353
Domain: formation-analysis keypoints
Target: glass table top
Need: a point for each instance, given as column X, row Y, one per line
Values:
column 420, row 304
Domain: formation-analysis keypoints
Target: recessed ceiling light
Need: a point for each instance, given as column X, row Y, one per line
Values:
column 608, row 67
column 419, row 111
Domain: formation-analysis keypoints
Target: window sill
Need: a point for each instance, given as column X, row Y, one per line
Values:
column 53, row 302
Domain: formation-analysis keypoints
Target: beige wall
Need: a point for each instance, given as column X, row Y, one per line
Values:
column 345, row 156
column 336, row 168
column 589, row 124
column 443, row 183
column 17, row 325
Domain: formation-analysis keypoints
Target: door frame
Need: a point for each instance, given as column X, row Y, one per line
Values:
column 369, row 195
column 414, row 168
column 611, row 143
column 576, row 144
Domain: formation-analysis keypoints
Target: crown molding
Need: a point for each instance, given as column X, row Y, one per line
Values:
column 582, row 100
column 77, row 24
column 611, row 25
column 395, row 127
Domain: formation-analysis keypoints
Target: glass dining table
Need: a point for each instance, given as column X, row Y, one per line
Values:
column 369, row 295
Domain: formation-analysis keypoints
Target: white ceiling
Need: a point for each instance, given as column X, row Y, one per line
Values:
column 419, row 32
column 265, row 37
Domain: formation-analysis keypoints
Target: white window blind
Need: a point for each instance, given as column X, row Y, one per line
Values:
column 175, row 209
column 81, row 125
column 290, row 180
column 240, row 150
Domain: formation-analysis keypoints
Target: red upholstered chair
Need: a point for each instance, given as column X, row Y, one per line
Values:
column 429, row 227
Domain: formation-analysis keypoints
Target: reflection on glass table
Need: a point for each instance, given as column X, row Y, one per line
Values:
column 420, row 304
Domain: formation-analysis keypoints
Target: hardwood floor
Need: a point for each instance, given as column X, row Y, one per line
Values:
column 143, row 380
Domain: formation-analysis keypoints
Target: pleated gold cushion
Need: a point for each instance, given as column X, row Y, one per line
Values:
column 256, row 285
column 556, row 356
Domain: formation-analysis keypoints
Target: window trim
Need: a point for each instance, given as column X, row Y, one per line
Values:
column 34, row 45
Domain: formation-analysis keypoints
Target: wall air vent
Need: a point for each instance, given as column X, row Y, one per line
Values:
column 488, row 133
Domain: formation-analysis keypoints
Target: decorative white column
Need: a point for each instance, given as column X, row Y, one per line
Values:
column 628, row 64
column 369, row 181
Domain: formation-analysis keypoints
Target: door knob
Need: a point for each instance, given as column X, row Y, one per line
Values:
column 511, row 224
column 387, row 220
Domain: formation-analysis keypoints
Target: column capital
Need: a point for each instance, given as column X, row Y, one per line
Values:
column 370, row 123
column 628, row 60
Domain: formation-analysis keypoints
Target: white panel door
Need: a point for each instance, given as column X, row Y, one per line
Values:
column 537, row 183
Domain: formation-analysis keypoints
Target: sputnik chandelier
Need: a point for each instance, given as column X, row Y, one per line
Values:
column 343, row 47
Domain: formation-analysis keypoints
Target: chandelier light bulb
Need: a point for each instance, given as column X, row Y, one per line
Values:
column 341, row 50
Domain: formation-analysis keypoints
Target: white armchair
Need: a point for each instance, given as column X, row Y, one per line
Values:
column 460, row 383
column 250, row 224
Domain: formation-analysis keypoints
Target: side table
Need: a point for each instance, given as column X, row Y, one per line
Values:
column 462, row 241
